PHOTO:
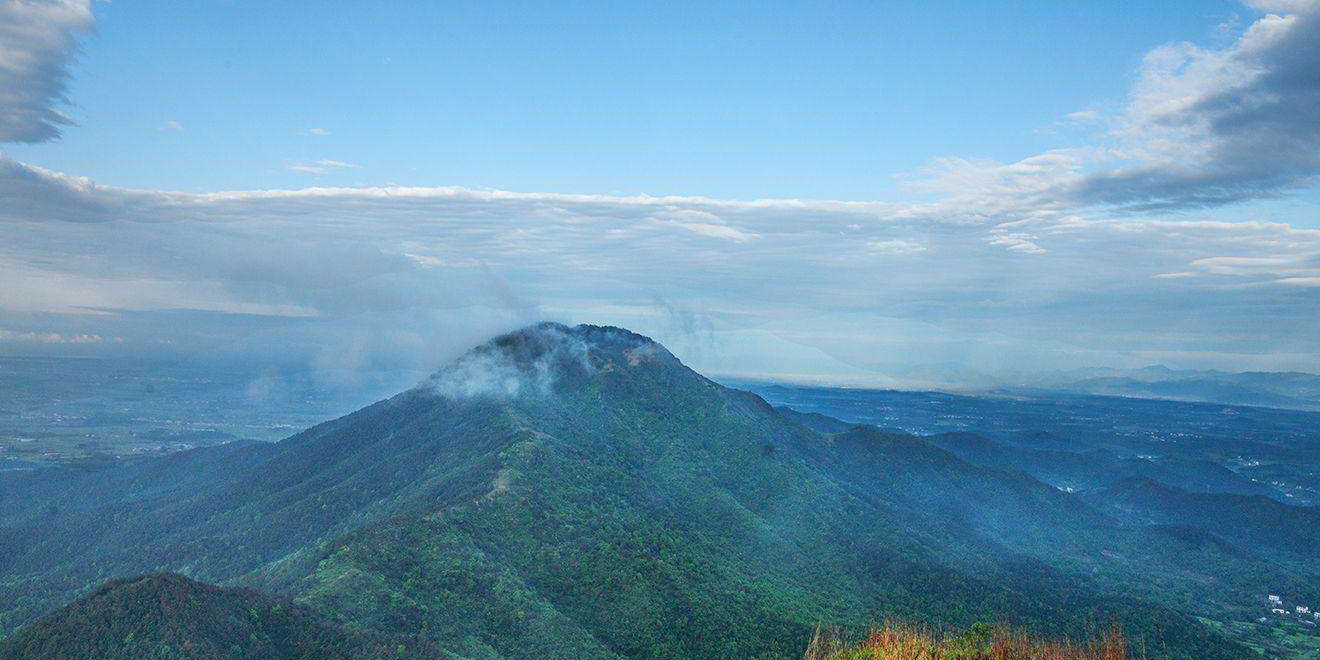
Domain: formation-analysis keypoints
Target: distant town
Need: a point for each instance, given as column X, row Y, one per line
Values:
column 1302, row 613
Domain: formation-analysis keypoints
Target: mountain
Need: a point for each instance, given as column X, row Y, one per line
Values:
column 166, row 616
column 1288, row 389
column 1252, row 523
column 578, row 493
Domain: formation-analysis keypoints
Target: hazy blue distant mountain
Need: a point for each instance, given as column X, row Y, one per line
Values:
column 1084, row 468
column 61, row 410
column 1274, row 389
column 579, row 493
column 1084, row 441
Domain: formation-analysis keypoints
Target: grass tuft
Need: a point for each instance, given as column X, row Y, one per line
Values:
column 899, row 641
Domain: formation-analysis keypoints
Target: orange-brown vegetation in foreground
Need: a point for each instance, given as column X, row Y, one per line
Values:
column 896, row 641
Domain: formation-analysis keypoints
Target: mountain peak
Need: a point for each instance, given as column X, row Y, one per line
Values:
column 532, row 360
column 549, row 333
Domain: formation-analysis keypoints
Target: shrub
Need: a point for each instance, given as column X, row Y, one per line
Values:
column 899, row 641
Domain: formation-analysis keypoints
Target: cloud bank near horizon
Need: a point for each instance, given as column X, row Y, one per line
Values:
column 853, row 288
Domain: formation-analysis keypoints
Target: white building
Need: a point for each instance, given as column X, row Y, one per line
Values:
column 1276, row 600
column 1302, row 609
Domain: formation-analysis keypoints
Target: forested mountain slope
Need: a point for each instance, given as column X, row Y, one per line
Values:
column 579, row 493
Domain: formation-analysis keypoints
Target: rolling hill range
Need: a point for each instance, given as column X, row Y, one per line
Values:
column 1251, row 522
column 578, row 493
column 1083, row 441
column 1300, row 391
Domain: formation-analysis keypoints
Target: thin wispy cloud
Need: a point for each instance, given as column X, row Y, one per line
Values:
column 321, row 166
column 896, row 247
column 1016, row 242
column 56, row 338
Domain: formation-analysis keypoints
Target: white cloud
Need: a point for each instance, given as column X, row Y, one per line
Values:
column 55, row 337
column 334, row 164
column 716, row 231
column 1237, row 265
column 321, row 166
column 172, row 126
column 1207, row 126
column 1300, row 281
column 38, row 44
column 1016, row 242
column 316, row 270
column 425, row 260
column 896, row 247
column 1259, row 267
column 1201, row 127
column 316, row 130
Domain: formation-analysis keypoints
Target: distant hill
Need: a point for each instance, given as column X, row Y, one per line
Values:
column 815, row 421
column 1084, row 441
column 1252, row 523
column 579, row 493
column 166, row 616
column 1300, row 391
column 1086, row 469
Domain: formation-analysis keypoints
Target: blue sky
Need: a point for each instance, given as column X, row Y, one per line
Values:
column 730, row 100
column 906, row 194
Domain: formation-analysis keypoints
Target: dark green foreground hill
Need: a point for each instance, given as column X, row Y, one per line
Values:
column 168, row 617
column 578, row 493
